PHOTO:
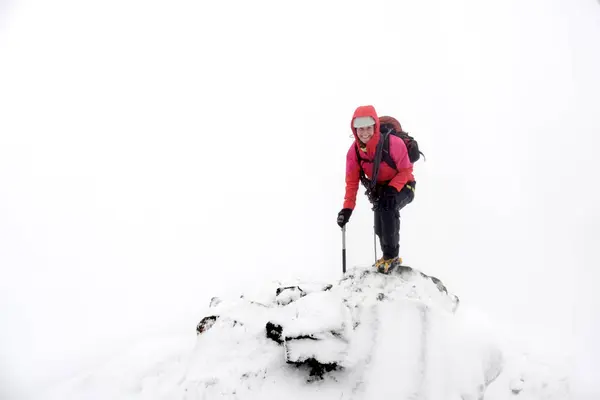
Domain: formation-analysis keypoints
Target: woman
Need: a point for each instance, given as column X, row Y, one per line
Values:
column 394, row 187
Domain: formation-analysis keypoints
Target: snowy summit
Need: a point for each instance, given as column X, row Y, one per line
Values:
column 369, row 336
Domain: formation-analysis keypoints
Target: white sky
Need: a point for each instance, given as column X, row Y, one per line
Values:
column 153, row 155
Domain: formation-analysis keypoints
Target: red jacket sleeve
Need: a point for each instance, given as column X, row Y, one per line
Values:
column 399, row 154
column 352, row 178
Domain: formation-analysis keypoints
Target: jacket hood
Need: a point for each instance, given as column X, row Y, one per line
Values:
column 366, row 111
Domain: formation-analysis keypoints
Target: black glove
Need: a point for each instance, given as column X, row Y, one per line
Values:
column 344, row 216
column 390, row 191
column 388, row 199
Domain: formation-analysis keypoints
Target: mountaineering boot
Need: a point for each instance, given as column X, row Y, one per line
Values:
column 379, row 263
column 386, row 265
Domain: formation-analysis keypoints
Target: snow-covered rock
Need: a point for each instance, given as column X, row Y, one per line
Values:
column 400, row 336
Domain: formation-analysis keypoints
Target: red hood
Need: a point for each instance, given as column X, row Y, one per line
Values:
column 367, row 111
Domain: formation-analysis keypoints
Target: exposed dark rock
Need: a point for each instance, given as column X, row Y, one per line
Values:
column 274, row 332
column 206, row 323
column 316, row 369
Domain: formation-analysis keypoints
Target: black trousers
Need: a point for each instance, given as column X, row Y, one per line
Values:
column 387, row 223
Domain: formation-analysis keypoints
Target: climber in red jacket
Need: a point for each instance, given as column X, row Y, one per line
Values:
column 393, row 188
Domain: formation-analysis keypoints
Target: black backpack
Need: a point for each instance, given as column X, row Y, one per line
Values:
column 382, row 153
column 412, row 147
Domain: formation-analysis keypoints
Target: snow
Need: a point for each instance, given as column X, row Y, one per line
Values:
column 389, row 336
column 156, row 154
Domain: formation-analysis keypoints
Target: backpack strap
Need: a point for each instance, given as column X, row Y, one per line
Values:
column 386, row 156
column 387, row 130
column 383, row 142
column 363, row 178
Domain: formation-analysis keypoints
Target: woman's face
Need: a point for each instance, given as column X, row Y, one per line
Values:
column 365, row 133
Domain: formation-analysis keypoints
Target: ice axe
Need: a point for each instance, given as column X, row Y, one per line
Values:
column 344, row 249
column 375, row 244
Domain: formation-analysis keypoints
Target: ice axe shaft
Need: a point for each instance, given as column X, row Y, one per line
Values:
column 344, row 249
column 375, row 244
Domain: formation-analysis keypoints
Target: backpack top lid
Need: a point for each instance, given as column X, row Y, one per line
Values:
column 387, row 120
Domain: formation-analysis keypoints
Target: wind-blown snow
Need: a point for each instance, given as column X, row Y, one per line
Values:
column 402, row 336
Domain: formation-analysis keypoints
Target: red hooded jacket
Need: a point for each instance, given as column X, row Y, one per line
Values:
column 396, row 178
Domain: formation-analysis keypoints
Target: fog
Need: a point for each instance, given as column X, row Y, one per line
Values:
column 154, row 155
